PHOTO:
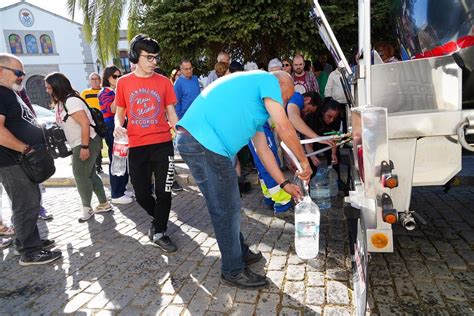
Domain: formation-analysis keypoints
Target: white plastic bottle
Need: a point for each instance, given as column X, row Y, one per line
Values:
column 319, row 189
column 119, row 156
column 307, row 217
column 332, row 179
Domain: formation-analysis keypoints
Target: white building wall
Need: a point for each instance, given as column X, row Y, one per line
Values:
column 67, row 43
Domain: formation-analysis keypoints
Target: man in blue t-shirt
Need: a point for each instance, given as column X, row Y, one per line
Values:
column 186, row 88
column 225, row 117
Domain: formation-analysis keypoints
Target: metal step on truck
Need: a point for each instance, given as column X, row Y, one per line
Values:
column 409, row 120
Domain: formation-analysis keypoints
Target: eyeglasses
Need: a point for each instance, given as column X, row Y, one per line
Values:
column 95, row 78
column 186, row 69
column 286, row 65
column 116, row 76
column 150, row 58
column 17, row 72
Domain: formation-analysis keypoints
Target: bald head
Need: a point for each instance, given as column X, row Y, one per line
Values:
column 286, row 84
column 298, row 64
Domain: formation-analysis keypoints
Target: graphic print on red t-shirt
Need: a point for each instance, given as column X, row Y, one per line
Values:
column 144, row 107
column 145, row 100
column 301, row 85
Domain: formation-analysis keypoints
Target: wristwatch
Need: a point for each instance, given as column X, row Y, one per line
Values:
column 84, row 146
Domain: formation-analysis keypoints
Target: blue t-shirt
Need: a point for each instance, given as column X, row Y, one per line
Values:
column 186, row 91
column 298, row 100
column 228, row 112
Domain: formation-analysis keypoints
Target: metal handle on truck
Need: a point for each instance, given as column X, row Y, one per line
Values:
column 462, row 133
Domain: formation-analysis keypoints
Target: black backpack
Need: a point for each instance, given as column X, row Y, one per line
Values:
column 99, row 125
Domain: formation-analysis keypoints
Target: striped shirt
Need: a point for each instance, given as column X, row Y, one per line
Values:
column 90, row 95
column 106, row 98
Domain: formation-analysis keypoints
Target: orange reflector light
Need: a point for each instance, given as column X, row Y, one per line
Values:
column 390, row 218
column 379, row 240
column 391, row 183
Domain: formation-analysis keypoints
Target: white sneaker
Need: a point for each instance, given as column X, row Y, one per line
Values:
column 102, row 208
column 129, row 193
column 123, row 200
column 87, row 213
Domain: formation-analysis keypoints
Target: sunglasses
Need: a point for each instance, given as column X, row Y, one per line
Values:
column 286, row 65
column 150, row 58
column 116, row 76
column 17, row 72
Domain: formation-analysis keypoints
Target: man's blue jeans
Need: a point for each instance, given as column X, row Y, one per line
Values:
column 217, row 180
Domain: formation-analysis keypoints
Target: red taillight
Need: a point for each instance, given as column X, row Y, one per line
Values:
column 360, row 162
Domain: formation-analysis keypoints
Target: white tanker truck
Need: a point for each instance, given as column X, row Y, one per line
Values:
column 407, row 119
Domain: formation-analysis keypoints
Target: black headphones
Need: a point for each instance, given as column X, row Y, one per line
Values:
column 132, row 54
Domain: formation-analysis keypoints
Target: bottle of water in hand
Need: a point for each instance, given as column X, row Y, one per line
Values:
column 119, row 156
column 307, row 219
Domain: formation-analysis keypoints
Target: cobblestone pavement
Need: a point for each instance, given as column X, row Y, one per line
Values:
column 109, row 266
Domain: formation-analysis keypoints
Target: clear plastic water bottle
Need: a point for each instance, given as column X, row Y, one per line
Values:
column 307, row 217
column 319, row 189
column 119, row 156
column 332, row 179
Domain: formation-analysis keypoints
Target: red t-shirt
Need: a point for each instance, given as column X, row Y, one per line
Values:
column 145, row 101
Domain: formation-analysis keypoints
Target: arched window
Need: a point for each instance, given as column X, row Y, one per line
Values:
column 46, row 44
column 31, row 44
column 15, row 44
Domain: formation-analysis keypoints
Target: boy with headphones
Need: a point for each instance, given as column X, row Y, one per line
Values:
column 147, row 99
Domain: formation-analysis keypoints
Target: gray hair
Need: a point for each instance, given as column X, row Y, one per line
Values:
column 250, row 66
column 92, row 74
column 274, row 63
column 6, row 59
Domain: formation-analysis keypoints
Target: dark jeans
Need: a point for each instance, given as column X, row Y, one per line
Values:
column 155, row 160
column 118, row 184
column 216, row 177
column 26, row 198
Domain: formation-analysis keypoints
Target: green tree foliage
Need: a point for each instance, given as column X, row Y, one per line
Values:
column 102, row 22
column 258, row 31
column 251, row 31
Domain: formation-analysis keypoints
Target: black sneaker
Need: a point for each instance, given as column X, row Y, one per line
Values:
column 42, row 257
column 176, row 186
column 165, row 243
column 45, row 244
column 246, row 280
column 252, row 257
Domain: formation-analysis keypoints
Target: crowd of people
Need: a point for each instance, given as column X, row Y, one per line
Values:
column 241, row 106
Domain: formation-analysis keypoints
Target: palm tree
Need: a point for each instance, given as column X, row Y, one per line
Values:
column 102, row 22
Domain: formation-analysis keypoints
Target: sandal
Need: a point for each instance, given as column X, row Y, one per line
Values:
column 7, row 231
